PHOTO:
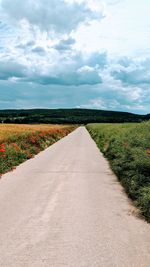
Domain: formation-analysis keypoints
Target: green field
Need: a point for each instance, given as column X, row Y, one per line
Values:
column 127, row 147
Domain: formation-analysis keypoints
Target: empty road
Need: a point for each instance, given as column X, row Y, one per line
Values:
column 66, row 208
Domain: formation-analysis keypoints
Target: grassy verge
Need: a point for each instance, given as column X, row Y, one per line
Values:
column 16, row 146
column 127, row 147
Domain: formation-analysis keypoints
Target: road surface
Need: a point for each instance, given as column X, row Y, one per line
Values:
column 66, row 208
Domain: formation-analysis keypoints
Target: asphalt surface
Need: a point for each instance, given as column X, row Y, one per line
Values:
column 66, row 208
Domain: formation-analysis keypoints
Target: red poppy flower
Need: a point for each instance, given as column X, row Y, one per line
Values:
column 2, row 148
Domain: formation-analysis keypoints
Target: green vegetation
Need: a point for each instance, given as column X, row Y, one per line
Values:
column 68, row 116
column 19, row 147
column 127, row 147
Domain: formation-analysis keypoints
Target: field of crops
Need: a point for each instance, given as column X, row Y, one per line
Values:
column 7, row 130
column 127, row 147
column 21, row 142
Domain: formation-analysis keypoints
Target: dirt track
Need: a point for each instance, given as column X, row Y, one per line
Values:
column 66, row 208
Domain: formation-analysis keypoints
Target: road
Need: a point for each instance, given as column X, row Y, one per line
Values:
column 66, row 208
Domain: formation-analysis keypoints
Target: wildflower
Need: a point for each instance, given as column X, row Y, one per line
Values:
column 148, row 151
column 2, row 148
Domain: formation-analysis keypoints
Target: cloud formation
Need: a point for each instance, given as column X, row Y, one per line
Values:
column 59, row 16
column 65, row 44
column 135, row 72
column 10, row 69
column 75, row 53
column 36, row 64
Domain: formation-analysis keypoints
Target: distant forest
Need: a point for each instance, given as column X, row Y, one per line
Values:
column 68, row 116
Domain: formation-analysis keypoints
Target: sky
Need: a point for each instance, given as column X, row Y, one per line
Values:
column 75, row 54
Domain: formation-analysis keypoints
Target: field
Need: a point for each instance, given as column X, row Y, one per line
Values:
column 127, row 147
column 8, row 130
column 21, row 142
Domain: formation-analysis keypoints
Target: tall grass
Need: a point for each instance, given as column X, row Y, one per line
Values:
column 127, row 147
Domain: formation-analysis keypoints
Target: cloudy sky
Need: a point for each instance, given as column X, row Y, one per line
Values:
column 75, row 53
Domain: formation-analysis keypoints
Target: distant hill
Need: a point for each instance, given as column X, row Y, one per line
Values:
column 78, row 116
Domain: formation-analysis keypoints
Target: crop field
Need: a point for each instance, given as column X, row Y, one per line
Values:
column 21, row 142
column 8, row 130
column 127, row 147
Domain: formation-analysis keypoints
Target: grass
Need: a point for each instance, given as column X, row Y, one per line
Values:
column 127, row 147
column 21, row 142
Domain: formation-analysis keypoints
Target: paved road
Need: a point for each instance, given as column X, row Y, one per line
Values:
column 66, row 208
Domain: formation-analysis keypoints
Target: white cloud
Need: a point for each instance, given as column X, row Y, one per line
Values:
column 93, row 51
column 97, row 103
column 123, row 31
column 111, row 104
column 61, row 16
